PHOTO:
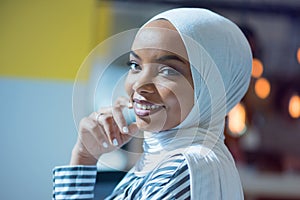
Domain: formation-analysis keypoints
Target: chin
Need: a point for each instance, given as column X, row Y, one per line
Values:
column 147, row 125
column 154, row 126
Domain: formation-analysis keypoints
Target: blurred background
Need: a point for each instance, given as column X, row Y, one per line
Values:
column 44, row 43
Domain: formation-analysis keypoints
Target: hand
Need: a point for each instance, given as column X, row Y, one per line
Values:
column 102, row 132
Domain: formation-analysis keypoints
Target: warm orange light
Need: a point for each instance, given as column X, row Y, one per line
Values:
column 294, row 106
column 237, row 120
column 262, row 88
column 257, row 68
column 298, row 55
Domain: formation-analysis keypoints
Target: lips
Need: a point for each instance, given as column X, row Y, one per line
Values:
column 144, row 108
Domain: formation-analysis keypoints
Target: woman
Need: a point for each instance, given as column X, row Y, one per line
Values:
column 188, row 68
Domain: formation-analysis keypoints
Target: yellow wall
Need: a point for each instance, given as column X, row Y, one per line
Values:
column 49, row 38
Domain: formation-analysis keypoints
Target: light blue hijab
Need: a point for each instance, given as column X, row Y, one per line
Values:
column 221, row 62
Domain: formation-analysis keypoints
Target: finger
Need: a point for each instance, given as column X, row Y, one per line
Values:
column 106, row 123
column 120, row 119
column 97, row 131
column 88, row 125
column 89, row 137
column 101, row 137
column 122, row 101
column 133, row 129
column 95, row 116
column 117, row 141
column 108, row 137
column 104, row 110
column 111, row 130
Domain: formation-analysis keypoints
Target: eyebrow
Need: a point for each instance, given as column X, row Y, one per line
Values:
column 135, row 55
column 163, row 58
column 170, row 57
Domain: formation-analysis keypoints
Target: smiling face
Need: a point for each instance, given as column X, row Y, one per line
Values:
column 159, row 82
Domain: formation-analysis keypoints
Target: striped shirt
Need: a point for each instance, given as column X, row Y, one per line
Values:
column 171, row 180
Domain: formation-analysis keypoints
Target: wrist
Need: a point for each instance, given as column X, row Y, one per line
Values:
column 80, row 158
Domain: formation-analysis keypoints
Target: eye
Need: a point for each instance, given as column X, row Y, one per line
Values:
column 134, row 66
column 168, row 71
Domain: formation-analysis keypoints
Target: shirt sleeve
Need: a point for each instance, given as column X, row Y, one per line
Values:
column 74, row 182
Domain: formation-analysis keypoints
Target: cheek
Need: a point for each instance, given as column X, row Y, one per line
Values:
column 179, row 99
column 128, row 84
column 186, row 98
column 169, row 98
column 171, row 115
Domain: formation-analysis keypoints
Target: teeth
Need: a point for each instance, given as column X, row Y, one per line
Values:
column 146, row 107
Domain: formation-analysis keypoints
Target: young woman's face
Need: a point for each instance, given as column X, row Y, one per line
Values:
column 159, row 82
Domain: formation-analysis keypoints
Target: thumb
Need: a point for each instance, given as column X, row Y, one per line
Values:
column 133, row 129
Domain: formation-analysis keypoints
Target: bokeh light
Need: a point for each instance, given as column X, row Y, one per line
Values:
column 237, row 120
column 294, row 106
column 262, row 88
column 257, row 68
column 298, row 55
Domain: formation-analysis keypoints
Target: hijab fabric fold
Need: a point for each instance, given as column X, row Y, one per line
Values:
column 221, row 61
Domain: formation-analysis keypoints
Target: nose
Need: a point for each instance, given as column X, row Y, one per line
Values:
column 144, row 88
column 144, row 84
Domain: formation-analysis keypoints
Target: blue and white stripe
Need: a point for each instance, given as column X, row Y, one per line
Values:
column 74, row 182
column 170, row 180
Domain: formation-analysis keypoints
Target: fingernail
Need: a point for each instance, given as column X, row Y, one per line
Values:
column 115, row 142
column 105, row 145
column 125, row 129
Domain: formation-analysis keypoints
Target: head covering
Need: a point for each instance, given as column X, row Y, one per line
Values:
column 221, row 60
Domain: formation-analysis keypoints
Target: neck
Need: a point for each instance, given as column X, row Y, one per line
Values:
column 158, row 145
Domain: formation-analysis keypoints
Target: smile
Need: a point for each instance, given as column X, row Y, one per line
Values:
column 144, row 108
